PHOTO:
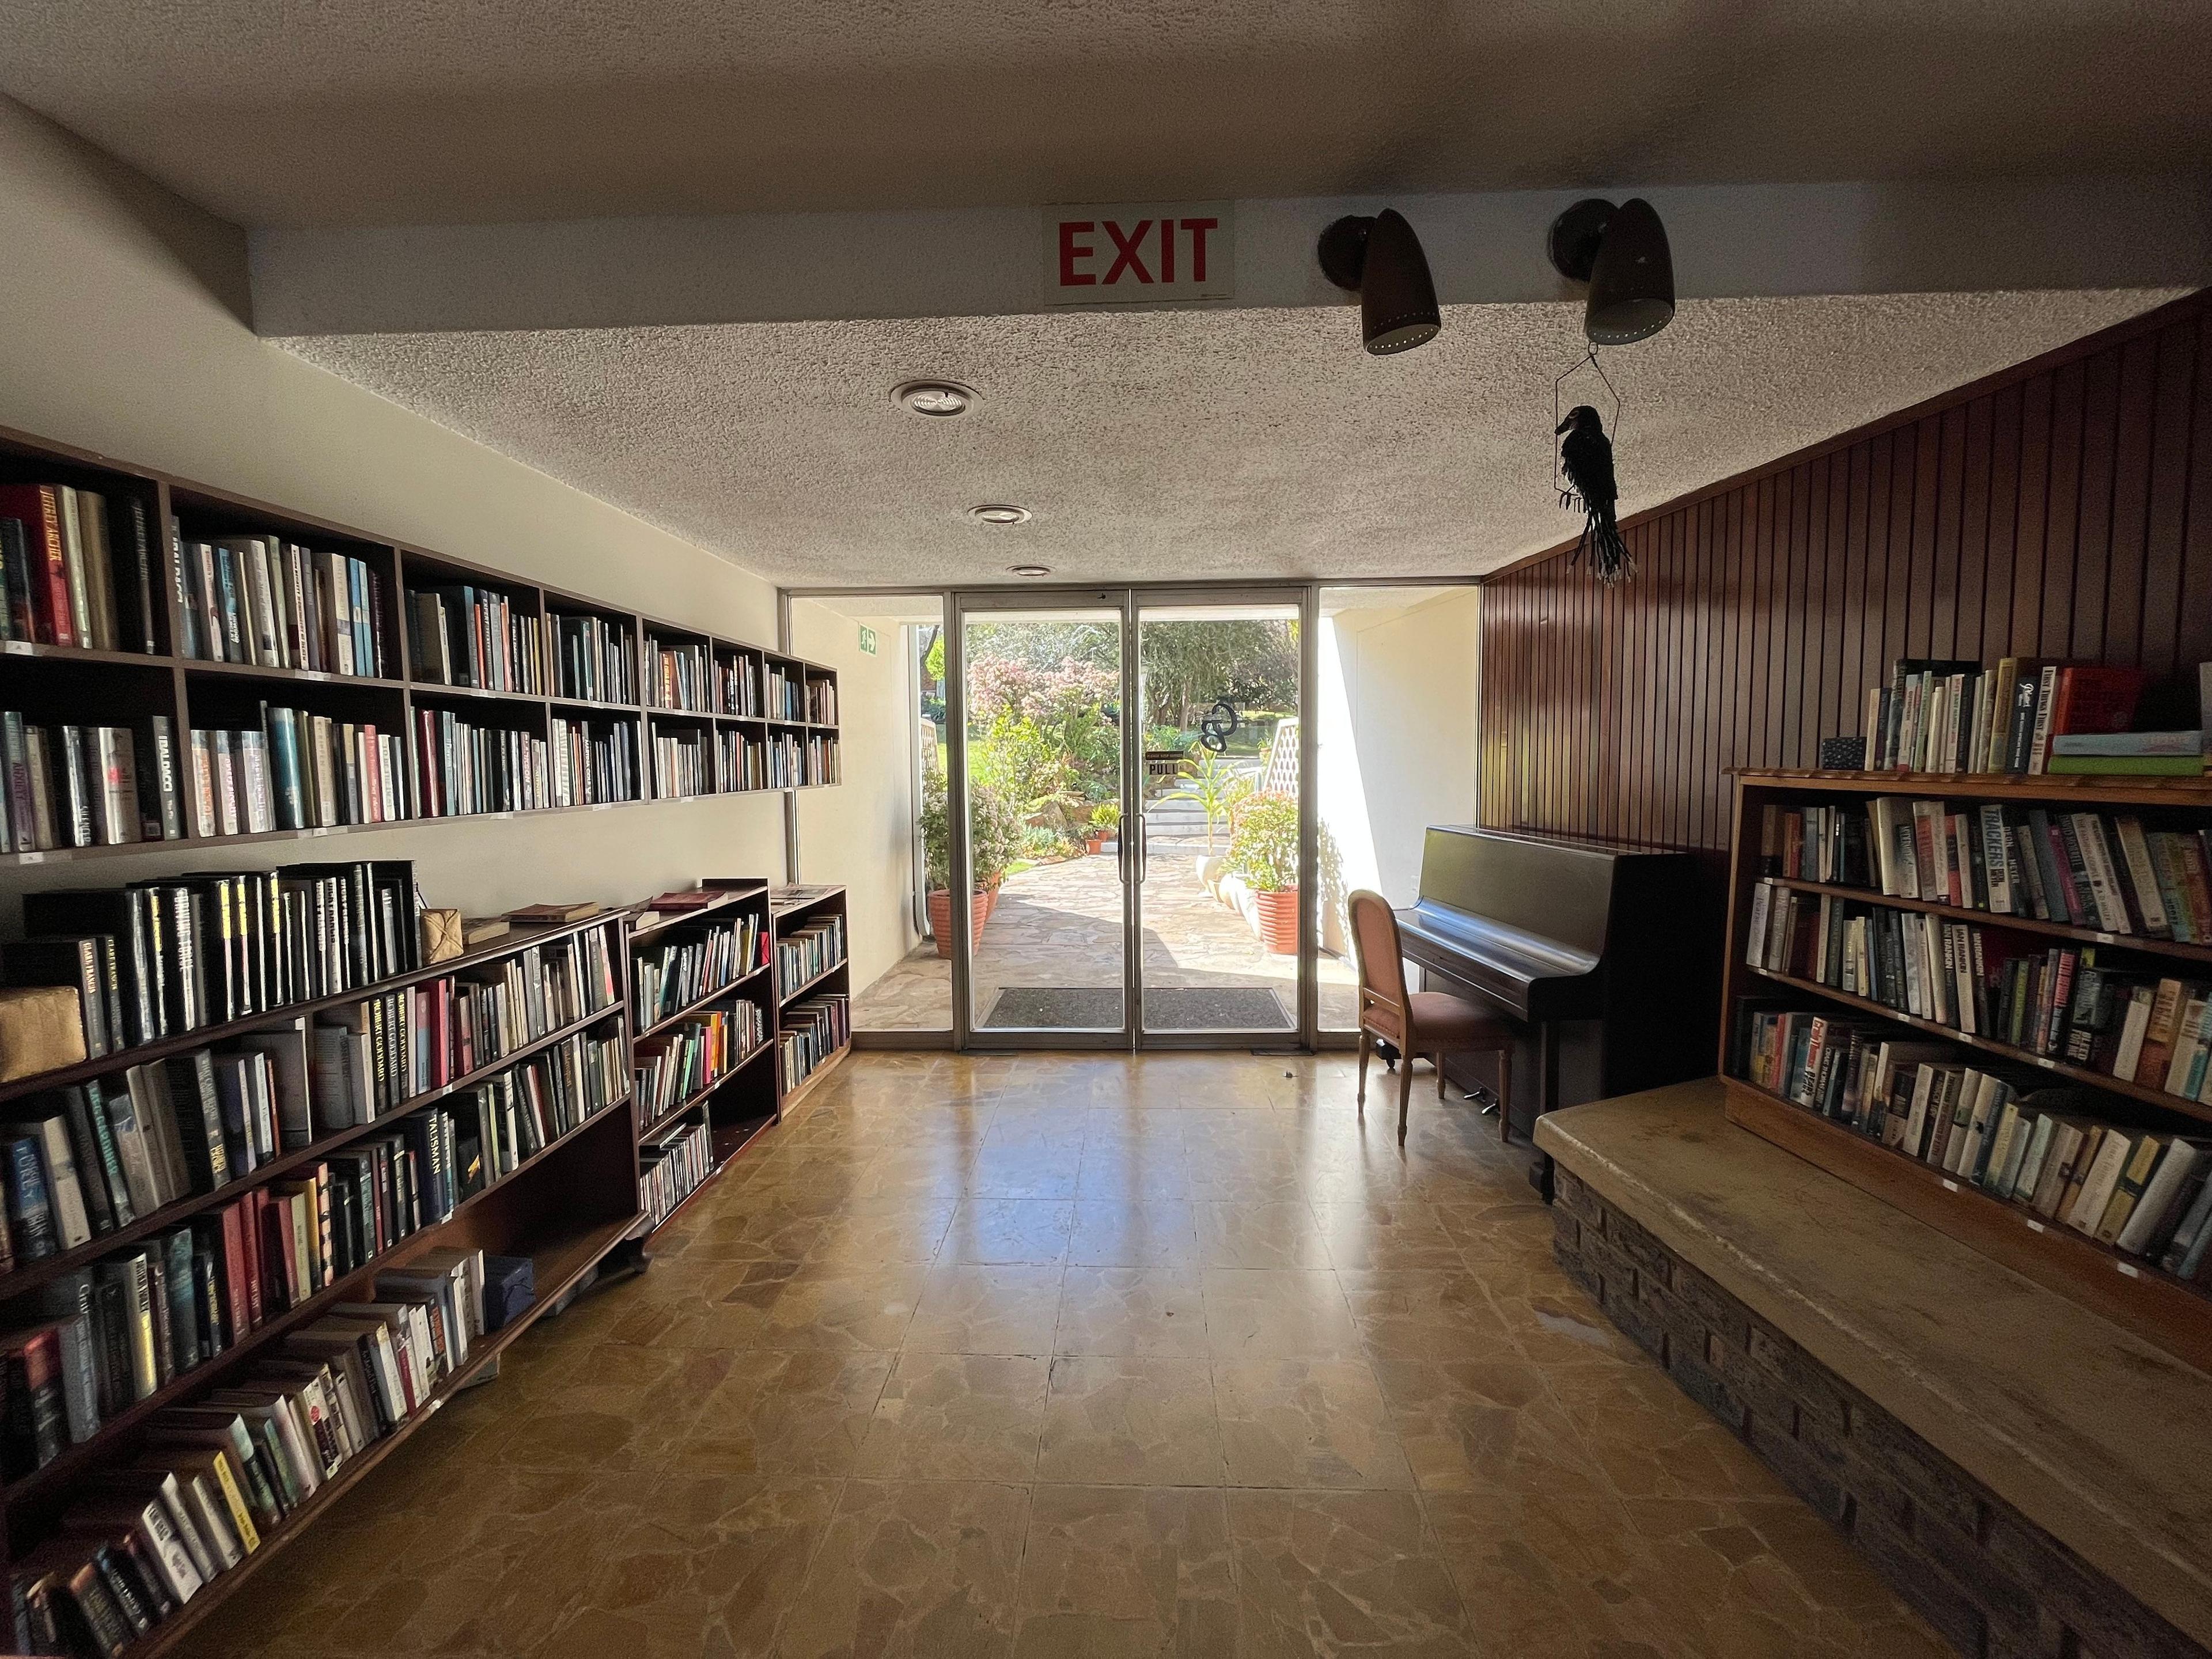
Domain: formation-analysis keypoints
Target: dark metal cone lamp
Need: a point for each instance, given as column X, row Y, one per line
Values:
column 1381, row 259
column 1631, row 285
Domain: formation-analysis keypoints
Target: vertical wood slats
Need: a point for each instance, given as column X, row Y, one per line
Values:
column 2065, row 512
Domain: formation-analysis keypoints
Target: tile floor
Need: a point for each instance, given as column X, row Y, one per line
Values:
column 1057, row 1356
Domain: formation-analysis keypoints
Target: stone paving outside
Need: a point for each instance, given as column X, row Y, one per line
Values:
column 1060, row 925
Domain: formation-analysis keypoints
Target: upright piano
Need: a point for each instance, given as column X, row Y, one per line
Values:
column 1608, row 953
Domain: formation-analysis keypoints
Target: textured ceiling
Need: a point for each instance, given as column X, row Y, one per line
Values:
column 283, row 112
column 1176, row 445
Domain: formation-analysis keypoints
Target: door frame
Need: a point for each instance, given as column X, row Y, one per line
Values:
column 1129, row 597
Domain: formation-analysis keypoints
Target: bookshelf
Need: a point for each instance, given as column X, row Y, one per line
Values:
column 813, row 986
column 565, row 1203
column 690, row 964
column 1858, row 1144
column 563, row 717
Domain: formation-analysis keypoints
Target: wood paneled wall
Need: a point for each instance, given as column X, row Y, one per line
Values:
column 2060, row 509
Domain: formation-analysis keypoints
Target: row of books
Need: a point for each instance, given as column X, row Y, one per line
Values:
column 87, row 1161
column 1937, row 715
column 822, row 702
column 799, row 762
column 592, row 765
column 2140, row 1191
column 298, row 771
column 808, row 951
column 677, row 974
column 740, row 762
column 591, row 660
column 670, row 1172
column 680, row 676
column 810, row 1033
column 673, row 1065
column 371, row 1057
column 88, row 786
column 475, row 636
column 216, row 1480
column 78, row 568
column 737, row 678
column 2097, row 870
column 786, row 698
column 163, row 957
column 680, row 763
column 467, row 767
column 2061, row 1002
column 273, row 604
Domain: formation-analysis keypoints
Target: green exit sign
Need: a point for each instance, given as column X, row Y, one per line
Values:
column 867, row 639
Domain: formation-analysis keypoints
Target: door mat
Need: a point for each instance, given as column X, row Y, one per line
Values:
column 1098, row 1007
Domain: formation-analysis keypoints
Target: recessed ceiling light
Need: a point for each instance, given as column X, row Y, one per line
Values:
column 999, row 513
column 1029, row 570
column 936, row 398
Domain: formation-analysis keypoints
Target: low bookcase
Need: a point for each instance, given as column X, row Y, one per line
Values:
column 2031, row 1017
column 564, row 1200
column 813, row 986
column 702, row 980
column 263, row 674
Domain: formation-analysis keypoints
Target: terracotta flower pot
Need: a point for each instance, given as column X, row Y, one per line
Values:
column 940, row 918
column 1096, row 843
column 1279, row 920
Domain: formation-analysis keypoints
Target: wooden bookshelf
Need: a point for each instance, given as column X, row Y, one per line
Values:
column 565, row 1206
column 741, row 1102
column 793, row 908
column 53, row 686
column 2134, row 1291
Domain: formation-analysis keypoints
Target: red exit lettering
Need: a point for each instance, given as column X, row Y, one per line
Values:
column 1159, row 240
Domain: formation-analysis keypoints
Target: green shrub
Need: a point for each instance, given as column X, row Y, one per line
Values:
column 1263, row 853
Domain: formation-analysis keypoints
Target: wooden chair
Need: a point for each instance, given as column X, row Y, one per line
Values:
column 1427, row 1023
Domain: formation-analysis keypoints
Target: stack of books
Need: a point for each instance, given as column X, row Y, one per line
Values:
column 591, row 660
column 822, row 702
column 2111, row 872
column 680, row 762
column 88, row 786
column 79, row 568
column 786, row 761
column 808, row 951
column 2049, row 1151
column 467, row 767
column 299, row 770
column 812, row 1032
column 163, row 957
column 821, row 764
column 738, row 674
column 669, row 1172
column 674, row 1065
column 682, row 675
column 474, row 636
column 2024, row 717
column 592, row 767
column 676, row 975
column 273, row 604
column 786, row 694
column 741, row 761
column 218, row 1477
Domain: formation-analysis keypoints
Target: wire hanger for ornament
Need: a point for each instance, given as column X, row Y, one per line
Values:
column 1587, row 360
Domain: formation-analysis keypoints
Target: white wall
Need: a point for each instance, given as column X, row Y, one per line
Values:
column 861, row 834
column 124, row 334
column 1396, row 703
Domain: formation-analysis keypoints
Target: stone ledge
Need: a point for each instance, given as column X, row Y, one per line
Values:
column 2028, row 1476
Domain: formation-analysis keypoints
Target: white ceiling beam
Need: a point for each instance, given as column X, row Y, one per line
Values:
column 1729, row 241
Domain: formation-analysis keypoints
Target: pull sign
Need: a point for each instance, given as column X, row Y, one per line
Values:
column 1141, row 253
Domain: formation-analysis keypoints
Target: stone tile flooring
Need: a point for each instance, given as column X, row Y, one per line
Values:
column 1061, row 924
column 1057, row 1356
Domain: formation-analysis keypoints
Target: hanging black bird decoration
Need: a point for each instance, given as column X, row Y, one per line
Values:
column 1586, row 457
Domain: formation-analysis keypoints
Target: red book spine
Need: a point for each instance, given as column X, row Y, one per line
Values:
column 39, row 508
column 239, row 1271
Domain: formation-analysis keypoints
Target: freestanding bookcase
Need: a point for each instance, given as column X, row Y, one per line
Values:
column 2132, row 1290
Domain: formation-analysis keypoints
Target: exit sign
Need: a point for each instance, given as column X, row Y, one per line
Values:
column 1139, row 253
column 867, row 640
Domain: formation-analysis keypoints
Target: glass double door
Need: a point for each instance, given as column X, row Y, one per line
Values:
column 1126, row 766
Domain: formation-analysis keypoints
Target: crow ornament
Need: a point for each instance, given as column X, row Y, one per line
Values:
column 1586, row 457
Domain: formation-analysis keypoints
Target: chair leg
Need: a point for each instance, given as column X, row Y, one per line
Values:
column 1505, row 1095
column 1440, row 1077
column 1405, row 1093
column 1366, row 1048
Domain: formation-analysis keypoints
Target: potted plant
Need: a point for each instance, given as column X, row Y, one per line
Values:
column 1219, row 790
column 992, row 830
column 1105, row 822
column 1263, row 853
